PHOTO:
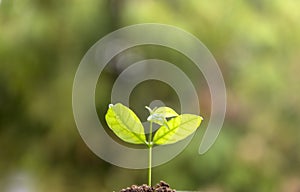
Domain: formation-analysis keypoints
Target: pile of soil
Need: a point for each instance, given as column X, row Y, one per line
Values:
column 160, row 187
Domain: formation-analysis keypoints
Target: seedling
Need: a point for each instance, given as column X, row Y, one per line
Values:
column 128, row 127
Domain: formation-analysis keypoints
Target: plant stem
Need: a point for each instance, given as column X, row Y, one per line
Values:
column 150, row 155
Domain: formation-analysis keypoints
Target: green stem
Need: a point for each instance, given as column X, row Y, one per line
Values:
column 150, row 155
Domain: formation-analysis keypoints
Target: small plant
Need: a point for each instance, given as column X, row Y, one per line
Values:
column 128, row 127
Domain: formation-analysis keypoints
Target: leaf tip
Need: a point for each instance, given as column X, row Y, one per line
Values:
column 110, row 105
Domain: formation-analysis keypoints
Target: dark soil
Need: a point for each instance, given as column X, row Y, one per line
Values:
column 160, row 187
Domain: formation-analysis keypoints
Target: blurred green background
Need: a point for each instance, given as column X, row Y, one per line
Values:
column 255, row 42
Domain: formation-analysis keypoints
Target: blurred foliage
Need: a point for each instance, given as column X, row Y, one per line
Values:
column 256, row 43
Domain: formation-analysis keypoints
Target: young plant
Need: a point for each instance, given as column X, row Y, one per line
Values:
column 128, row 127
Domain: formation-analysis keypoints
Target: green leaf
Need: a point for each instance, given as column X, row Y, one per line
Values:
column 177, row 129
column 160, row 114
column 165, row 111
column 125, row 124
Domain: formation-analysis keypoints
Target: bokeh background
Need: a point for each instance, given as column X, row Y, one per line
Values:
column 255, row 42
